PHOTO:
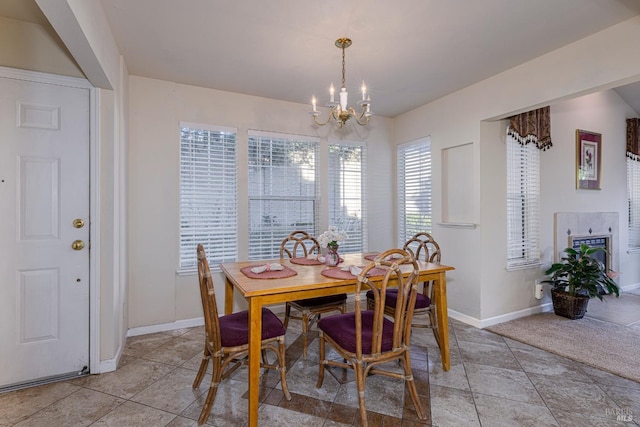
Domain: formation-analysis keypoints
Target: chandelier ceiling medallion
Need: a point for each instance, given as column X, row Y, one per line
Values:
column 340, row 112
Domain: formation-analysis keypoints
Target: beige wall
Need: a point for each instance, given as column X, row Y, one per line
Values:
column 33, row 47
column 157, row 294
column 480, row 290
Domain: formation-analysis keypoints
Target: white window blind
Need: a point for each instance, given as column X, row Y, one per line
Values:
column 347, row 203
column 633, row 199
column 523, row 205
column 283, row 190
column 414, row 188
column 208, row 194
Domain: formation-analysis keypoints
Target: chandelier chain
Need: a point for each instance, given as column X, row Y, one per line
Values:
column 343, row 67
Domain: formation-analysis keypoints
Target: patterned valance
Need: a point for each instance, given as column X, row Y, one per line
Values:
column 633, row 139
column 532, row 126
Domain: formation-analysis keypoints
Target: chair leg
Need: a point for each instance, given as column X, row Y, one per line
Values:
column 213, row 390
column 305, row 330
column 203, row 367
column 287, row 314
column 321, row 361
column 413, row 391
column 360, row 381
column 283, row 368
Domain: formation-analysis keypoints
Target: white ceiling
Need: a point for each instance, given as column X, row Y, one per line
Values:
column 408, row 52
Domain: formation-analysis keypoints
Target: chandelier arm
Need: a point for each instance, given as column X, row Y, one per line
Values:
column 332, row 115
column 360, row 116
column 315, row 119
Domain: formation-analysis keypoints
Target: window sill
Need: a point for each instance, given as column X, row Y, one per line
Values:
column 523, row 266
column 458, row 224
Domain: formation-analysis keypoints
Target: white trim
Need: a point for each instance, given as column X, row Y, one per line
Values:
column 38, row 77
column 292, row 136
column 457, row 224
column 163, row 327
column 94, row 199
column 211, row 128
column 491, row 321
column 352, row 142
column 110, row 365
column 94, row 233
column 631, row 287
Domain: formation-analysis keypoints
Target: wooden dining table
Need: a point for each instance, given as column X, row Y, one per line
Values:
column 309, row 282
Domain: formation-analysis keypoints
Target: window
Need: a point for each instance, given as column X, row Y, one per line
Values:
column 347, row 208
column 414, row 189
column 208, row 194
column 523, row 205
column 283, row 190
column 633, row 199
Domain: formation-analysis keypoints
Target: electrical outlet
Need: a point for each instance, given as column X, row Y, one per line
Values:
column 538, row 291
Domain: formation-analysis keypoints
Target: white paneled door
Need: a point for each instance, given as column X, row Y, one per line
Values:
column 44, row 230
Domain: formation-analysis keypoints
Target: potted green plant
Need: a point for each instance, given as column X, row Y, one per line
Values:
column 579, row 277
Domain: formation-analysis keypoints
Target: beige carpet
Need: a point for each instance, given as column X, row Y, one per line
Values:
column 603, row 345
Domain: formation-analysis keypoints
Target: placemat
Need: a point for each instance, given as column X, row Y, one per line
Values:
column 373, row 256
column 273, row 274
column 305, row 261
column 338, row 273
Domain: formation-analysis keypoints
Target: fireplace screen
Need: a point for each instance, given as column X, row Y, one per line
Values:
column 594, row 242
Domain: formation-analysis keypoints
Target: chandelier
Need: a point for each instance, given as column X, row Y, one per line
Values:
column 340, row 111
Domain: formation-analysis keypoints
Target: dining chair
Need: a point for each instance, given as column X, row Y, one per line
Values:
column 366, row 340
column 302, row 244
column 424, row 246
column 227, row 339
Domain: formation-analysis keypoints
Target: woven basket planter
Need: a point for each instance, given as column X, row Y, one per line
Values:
column 571, row 307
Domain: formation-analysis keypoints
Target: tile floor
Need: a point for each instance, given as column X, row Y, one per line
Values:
column 493, row 381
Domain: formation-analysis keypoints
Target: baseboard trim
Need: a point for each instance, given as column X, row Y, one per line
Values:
column 110, row 365
column 164, row 327
column 485, row 323
column 630, row 287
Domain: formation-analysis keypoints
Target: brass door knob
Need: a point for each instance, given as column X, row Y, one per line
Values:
column 77, row 245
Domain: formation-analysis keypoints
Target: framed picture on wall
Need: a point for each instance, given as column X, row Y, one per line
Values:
column 588, row 159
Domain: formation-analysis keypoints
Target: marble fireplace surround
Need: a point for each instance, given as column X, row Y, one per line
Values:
column 575, row 225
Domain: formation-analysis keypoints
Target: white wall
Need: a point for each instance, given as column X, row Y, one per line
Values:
column 480, row 290
column 157, row 295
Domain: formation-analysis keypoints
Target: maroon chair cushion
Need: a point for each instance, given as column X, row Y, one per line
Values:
column 342, row 329
column 234, row 329
column 329, row 299
column 392, row 298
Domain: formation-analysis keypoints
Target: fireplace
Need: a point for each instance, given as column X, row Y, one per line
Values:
column 603, row 241
column 596, row 229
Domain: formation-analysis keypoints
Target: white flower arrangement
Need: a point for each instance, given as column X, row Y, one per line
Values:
column 332, row 237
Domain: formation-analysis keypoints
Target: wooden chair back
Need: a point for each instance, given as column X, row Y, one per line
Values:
column 208, row 296
column 391, row 260
column 423, row 244
column 299, row 244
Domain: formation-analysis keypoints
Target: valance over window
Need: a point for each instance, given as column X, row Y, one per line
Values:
column 633, row 139
column 532, row 126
